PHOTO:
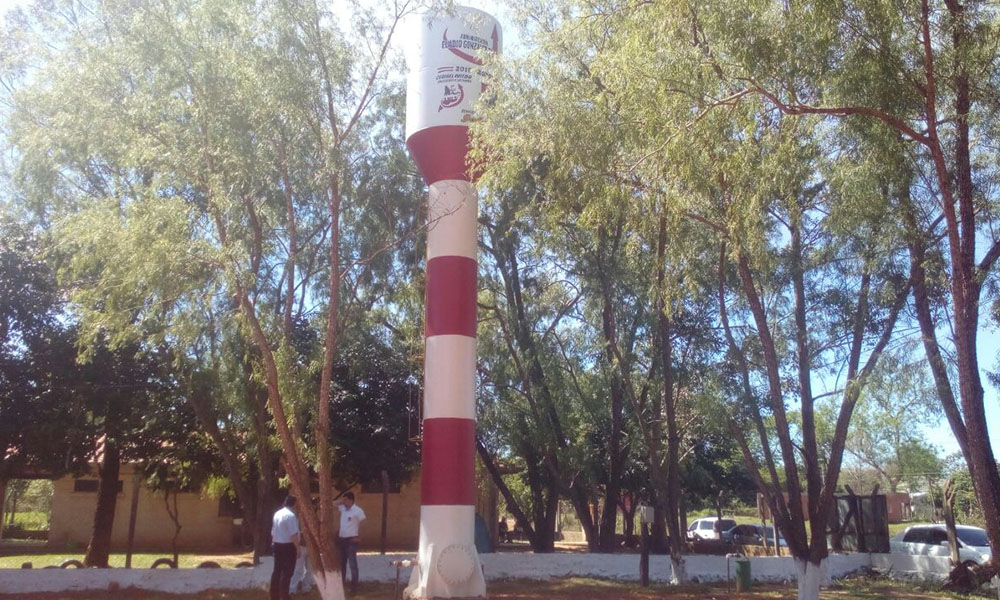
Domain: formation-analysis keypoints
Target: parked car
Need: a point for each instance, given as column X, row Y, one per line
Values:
column 705, row 528
column 932, row 540
column 749, row 534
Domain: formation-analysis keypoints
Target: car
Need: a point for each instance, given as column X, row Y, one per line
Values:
column 749, row 534
column 932, row 540
column 706, row 529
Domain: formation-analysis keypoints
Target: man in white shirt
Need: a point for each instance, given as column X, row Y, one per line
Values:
column 349, row 538
column 285, row 537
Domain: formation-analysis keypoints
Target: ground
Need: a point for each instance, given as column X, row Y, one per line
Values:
column 565, row 589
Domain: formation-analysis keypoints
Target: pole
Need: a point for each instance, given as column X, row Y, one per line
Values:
column 385, row 507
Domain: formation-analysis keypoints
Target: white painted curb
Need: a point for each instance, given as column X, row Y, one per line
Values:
column 513, row 565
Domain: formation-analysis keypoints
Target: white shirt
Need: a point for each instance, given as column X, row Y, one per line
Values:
column 350, row 520
column 284, row 526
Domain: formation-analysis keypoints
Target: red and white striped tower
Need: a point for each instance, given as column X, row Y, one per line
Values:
column 446, row 79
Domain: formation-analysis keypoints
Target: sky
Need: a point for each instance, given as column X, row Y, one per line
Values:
column 989, row 338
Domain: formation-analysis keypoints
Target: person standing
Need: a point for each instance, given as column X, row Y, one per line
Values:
column 349, row 537
column 285, row 536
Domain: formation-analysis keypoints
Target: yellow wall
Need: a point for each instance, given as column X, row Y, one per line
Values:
column 201, row 527
column 403, row 527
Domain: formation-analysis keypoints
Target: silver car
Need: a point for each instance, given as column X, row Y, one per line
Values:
column 932, row 540
column 709, row 528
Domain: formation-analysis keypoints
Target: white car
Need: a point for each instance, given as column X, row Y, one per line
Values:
column 705, row 529
column 932, row 540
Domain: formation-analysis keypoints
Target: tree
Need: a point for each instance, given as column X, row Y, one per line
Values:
column 223, row 180
column 886, row 434
column 910, row 73
column 38, row 431
column 520, row 359
column 614, row 234
column 374, row 398
column 673, row 133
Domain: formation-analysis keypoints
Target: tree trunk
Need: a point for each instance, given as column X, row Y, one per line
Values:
column 810, row 576
column 266, row 500
column 658, row 529
column 520, row 517
column 13, row 506
column 628, row 522
column 3, row 504
column 949, row 521
column 99, row 547
column 175, row 519
column 609, row 516
column 263, row 509
column 582, row 507
column 132, row 514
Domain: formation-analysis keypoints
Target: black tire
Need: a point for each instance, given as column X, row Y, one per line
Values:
column 163, row 562
column 71, row 563
column 246, row 564
column 209, row 564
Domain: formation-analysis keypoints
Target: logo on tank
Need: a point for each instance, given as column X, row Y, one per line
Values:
column 467, row 42
column 453, row 96
column 453, row 81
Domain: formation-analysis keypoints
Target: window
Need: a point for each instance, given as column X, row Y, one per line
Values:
column 916, row 535
column 936, row 536
column 90, row 485
column 973, row 537
column 705, row 525
column 726, row 524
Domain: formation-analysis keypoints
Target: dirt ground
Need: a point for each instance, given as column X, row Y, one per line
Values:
column 560, row 589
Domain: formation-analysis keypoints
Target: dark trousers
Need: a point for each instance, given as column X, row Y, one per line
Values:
column 349, row 553
column 284, row 567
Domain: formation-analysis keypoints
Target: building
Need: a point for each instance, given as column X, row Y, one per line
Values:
column 898, row 506
column 207, row 523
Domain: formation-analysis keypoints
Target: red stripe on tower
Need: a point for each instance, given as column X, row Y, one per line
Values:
column 449, row 445
column 451, row 296
column 440, row 152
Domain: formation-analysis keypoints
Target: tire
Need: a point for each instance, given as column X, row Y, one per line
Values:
column 71, row 563
column 163, row 562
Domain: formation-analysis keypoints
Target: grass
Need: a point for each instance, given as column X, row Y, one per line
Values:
column 32, row 520
column 139, row 560
column 567, row 589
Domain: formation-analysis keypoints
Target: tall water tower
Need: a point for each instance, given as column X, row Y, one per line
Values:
column 446, row 78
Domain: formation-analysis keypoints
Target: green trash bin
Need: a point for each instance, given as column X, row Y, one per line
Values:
column 743, row 580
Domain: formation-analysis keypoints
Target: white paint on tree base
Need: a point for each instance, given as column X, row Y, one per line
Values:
column 678, row 571
column 513, row 565
column 330, row 585
column 809, row 578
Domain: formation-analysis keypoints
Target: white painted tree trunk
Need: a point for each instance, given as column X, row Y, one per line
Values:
column 330, row 585
column 810, row 577
column 678, row 571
